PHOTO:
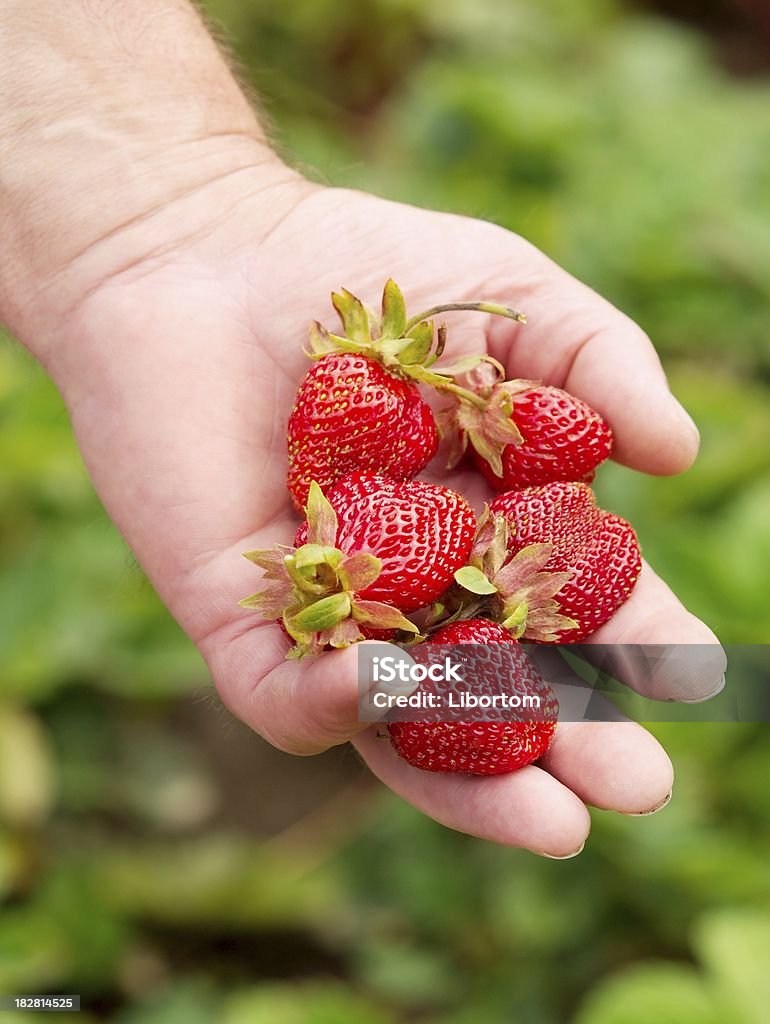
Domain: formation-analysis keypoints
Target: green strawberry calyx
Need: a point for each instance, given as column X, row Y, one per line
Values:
column 516, row 592
column 482, row 415
column 409, row 346
column 314, row 589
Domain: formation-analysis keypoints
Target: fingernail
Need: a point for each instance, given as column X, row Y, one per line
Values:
column 653, row 810
column 709, row 696
column 567, row 856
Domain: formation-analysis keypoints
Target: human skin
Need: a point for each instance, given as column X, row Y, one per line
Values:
column 162, row 264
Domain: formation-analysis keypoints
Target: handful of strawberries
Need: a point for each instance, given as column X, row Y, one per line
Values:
column 542, row 562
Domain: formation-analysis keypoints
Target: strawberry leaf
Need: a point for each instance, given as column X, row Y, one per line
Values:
column 271, row 601
column 490, row 548
column 419, row 346
column 460, row 366
column 516, row 618
column 309, row 580
column 321, row 518
column 544, row 625
column 272, row 560
column 320, row 340
column 343, row 634
column 528, row 593
column 473, row 579
column 321, row 615
column 393, row 311
column 359, row 571
column 390, row 351
column 420, row 373
column 352, row 313
column 523, row 568
column 382, row 616
column 309, row 556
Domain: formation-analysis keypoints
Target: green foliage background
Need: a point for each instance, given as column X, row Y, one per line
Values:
column 161, row 861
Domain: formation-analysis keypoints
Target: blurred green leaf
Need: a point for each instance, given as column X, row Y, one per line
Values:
column 312, row 1003
column 27, row 778
column 733, row 945
column 217, row 878
column 661, row 992
column 186, row 1001
column 33, row 954
column 406, row 974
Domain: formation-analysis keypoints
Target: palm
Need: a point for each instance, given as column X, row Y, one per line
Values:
column 198, row 414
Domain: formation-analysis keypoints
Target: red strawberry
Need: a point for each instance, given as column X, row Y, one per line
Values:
column 523, row 433
column 562, row 524
column 359, row 409
column 477, row 745
column 351, row 414
column 563, row 438
column 369, row 551
column 421, row 532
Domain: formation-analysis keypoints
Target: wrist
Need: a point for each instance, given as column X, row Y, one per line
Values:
column 138, row 294
column 118, row 124
column 200, row 230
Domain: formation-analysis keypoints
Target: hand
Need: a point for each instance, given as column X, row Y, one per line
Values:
column 180, row 372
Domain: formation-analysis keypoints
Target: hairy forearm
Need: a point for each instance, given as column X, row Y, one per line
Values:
column 109, row 114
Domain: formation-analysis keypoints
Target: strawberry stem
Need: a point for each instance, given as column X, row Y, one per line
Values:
column 463, row 394
column 478, row 307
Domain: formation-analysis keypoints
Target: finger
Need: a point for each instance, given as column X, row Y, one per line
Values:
column 577, row 340
column 302, row 707
column 618, row 766
column 578, row 700
column 528, row 808
column 689, row 664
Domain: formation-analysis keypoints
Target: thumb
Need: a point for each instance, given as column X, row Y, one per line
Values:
column 306, row 706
